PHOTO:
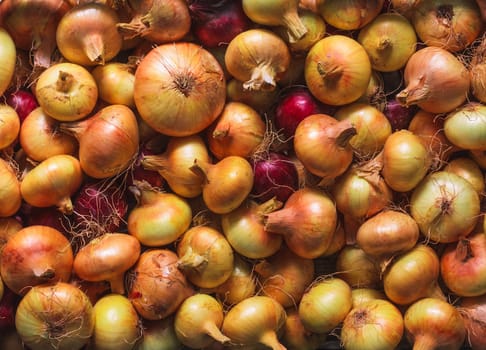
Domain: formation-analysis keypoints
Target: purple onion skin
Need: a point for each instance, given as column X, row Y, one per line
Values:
column 275, row 176
column 48, row 216
column 8, row 306
column 399, row 116
column 23, row 102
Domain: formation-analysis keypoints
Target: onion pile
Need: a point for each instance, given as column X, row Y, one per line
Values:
column 242, row 174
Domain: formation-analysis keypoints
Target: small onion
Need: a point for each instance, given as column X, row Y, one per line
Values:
column 445, row 206
column 55, row 316
column 198, row 320
column 117, row 324
column 191, row 88
column 107, row 258
column 431, row 323
column 255, row 321
column 325, row 305
column 376, row 324
column 35, row 255
column 108, row 140
column 52, row 182
column 205, row 256
column 66, row 91
column 466, row 126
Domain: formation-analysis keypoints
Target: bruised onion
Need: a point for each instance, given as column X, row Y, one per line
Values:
column 108, row 140
column 191, row 88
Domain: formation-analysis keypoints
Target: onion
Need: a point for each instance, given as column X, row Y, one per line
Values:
column 356, row 268
column 11, row 197
column 244, row 229
column 116, row 126
column 451, row 25
column 349, row 15
column 158, row 218
column 258, row 58
column 362, row 295
column 399, row 116
column 99, row 207
column 52, row 182
column 255, row 320
column 32, row 26
column 115, row 81
column 8, row 53
column 9, row 126
column 260, row 100
column 156, row 286
column 472, row 310
column 107, row 258
column 238, row 131
column 87, row 34
column 469, row 169
column 462, row 266
column 285, row 276
column 361, row 191
column 46, row 216
column 338, row 241
column 465, row 126
column 23, row 101
column 117, row 324
column 294, row 104
column 57, row 316
column 431, row 323
column 445, row 206
column 413, row 275
column 319, row 136
column 325, row 305
column 157, row 21
column 307, row 222
column 198, row 320
column 8, row 226
column 205, row 256
column 295, row 336
column 372, row 127
column 275, row 176
column 406, row 161
column 435, row 80
column 158, row 335
column 40, row 137
column 190, row 84
column 389, row 40
column 175, row 162
column 405, row 7
column 241, row 284
column 376, row 324
column 388, row 233
column 66, row 91
column 217, row 23
column 277, row 13
column 477, row 68
column 226, row 183
column 337, row 70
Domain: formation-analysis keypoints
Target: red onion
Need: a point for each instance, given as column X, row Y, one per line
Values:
column 8, row 305
column 275, row 176
column 217, row 22
column 293, row 106
column 48, row 216
column 23, row 102
column 399, row 116
column 139, row 173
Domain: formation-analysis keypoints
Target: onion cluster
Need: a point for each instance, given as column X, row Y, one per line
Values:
column 242, row 174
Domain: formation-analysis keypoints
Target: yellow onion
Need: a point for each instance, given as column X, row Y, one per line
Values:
column 465, row 126
column 468, row 169
column 190, row 85
column 9, row 126
column 108, row 140
column 115, row 82
column 11, row 196
column 52, row 182
column 55, row 316
column 66, row 91
column 8, row 53
column 349, row 14
column 357, row 268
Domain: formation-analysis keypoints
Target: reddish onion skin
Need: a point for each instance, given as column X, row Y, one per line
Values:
column 23, row 101
column 473, row 311
column 8, row 305
column 275, row 176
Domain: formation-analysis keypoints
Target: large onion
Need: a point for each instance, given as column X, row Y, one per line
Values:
column 190, row 84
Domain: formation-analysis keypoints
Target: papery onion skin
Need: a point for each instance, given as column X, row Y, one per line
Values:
column 9, row 126
column 349, row 15
column 23, row 101
column 159, row 335
column 431, row 323
column 55, row 316
column 8, row 54
column 295, row 336
column 35, row 255
column 469, row 169
column 187, row 77
column 375, row 324
column 337, row 70
column 463, row 266
column 445, row 206
column 473, row 312
column 52, row 182
column 465, row 126
column 117, row 324
column 258, row 58
column 11, row 196
column 66, row 91
column 357, row 268
column 115, row 82
column 325, row 305
column 157, row 287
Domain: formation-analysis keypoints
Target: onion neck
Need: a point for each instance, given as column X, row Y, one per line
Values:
column 132, row 29
column 64, row 82
column 268, row 207
column 262, row 79
column 384, row 44
column 94, row 48
column 464, row 250
column 415, row 92
column 213, row 331
column 269, row 338
column 75, row 129
column 295, row 27
column 144, row 193
column 221, row 132
column 156, row 162
column 344, row 131
column 329, row 72
column 66, row 206
column 425, row 342
column 117, row 283
column 436, row 291
column 201, row 169
column 44, row 273
column 191, row 261
column 280, row 221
